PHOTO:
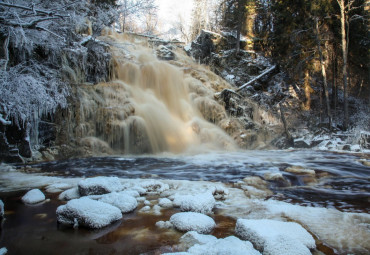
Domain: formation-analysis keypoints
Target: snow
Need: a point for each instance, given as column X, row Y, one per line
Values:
column 192, row 221
column 69, row 194
column 124, row 202
column 267, row 234
column 202, row 203
column 1, row 208
column 3, row 121
column 165, row 203
column 163, row 224
column 88, row 213
column 3, row 251
column 58, row 187
column 154, row 186
column 191, row 238
column 33, row 196
column 99, row 185
column 227, row 246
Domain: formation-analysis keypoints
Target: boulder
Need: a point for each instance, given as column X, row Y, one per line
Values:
column 192, row 221
column 276, row 237
column 87, row 213
column 69, row 194
column 99, row 185
column 124, row 202
column 165, row 203
column 202, row 203
column 33, row 196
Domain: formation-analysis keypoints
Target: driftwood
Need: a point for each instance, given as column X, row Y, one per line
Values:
column 256, row 78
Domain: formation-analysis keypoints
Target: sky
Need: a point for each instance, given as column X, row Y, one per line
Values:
column 170, row 10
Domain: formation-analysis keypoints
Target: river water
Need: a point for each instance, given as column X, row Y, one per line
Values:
column 341, row 180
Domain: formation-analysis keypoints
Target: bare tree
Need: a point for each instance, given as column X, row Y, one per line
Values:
column 130, row 8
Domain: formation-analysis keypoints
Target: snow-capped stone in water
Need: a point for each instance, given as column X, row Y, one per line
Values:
column 192, row 221
column 163, row 224
column 99, row 185
column 123, row 202
column 1, row 208
column 202, row 203
column 33, row 196
column 165, row 203
column 58, row 187
column 69, row 194
column 145, row 209
column 133, row 193
column 267, row 234
column 154, row 186
column 88, row 213
column 299, row 170
column 147, row 202
column 192, row 237
column 230, row 245
column 3, row 251
column 220, row 192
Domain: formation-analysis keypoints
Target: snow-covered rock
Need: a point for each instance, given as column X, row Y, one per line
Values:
column 192, row 221
column 58, row 187
column 163, row 224
column 99, row 185
column 133, row 193
column 145, row 209
column 3, row 251
column 230, row 245
column 33, row 196
column 202, row 203
column 124, row 202
column 1, row 209
column 154, row 186
column 88, row 213
column 69, row 194
column 299, row 170
column 192, row 238
column 275, row 237
column 165, row 203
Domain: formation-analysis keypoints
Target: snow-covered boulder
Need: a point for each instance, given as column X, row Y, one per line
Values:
column 88, row 213
column 154, row 187
column 33, row 196
column 1, row 209
column 3, row 251
column 99, row 185
column 192, row 221
column 165, row 203
column 124, row 202
column 192, row 238
column 58, row 187
column 202, row 203
column 275, row 237
column 230, row 245
column 69, row 194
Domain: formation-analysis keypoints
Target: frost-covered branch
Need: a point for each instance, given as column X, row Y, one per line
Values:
column 43, row 12
column 31, row 24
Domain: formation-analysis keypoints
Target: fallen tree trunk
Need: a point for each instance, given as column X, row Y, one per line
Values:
column 256, row 78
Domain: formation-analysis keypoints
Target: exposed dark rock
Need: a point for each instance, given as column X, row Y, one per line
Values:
column 301, row 144
column 346, row 147
column 165, row 53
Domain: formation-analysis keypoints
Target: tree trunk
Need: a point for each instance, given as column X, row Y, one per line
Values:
column 307, row 90
column 345, row 55
column 323, row 72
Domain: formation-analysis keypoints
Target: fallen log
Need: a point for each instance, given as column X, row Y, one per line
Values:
column 256, row 78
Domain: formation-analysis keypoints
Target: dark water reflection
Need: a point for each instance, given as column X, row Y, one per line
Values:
column 341, row 180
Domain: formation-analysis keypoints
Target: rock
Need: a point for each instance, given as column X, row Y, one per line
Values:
column 69, row 194
column 87, row 213
column 165, row 53
column 99, row 185
column 192, row 237
column 230, row 245
column 275, row 237
column 1, row 209
column 192, row 221
column 145, row 209
column 33, row 196
column 365, row 140
column 202, row 203
column 163, row 224
column 165, row 203
column 123, row 202
column 3, row 251
column 346, row 147
column 301, row 144
column 299, row 170
column 154, row 187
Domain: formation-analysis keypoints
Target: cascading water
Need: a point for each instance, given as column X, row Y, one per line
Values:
column 149, row 106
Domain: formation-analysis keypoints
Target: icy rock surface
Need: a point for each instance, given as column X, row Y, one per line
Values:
column 69, row 194
column 275, row 237
column 124, row 202
column 33, row 196
column 1, row 208
column 99, row 185
column 88, row 213
column 202, row 203
column 230, row 245
column 192, row 221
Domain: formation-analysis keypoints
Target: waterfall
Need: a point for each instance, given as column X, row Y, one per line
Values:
column 148, row 106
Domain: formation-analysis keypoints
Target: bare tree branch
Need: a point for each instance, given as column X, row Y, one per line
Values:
column 48, row 13
column 31, row 24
